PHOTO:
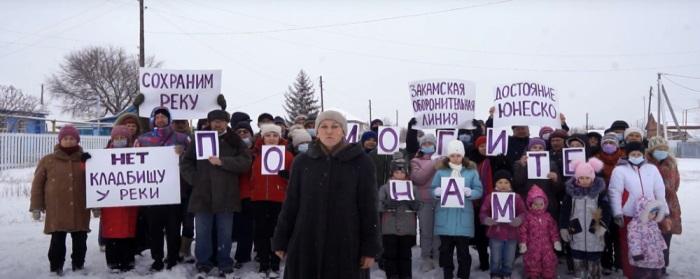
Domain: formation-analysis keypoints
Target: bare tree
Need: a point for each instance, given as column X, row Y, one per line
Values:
column 13, row 99
column 97, row 81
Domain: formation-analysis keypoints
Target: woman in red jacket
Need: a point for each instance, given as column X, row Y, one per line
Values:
column 118, row 224
column 268, row 193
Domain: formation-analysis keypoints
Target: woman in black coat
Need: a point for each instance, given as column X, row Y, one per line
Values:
column 328, row 226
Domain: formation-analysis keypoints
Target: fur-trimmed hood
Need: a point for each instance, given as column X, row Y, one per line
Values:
column 645, row 206
column 574, row 190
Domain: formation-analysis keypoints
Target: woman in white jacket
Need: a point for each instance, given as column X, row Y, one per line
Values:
column 631, row 180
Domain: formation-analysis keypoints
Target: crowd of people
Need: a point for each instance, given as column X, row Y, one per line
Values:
column 329, row 212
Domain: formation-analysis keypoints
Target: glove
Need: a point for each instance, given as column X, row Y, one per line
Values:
column 600, row 231
column 467, row 192
column 284, row 174
column 437, row 192
column 523, row 248
column 557, row 246
column 488, row 221
column 86, row 156
column 565, row 236
column 96, row 213
column 221, row 100
column 517, row 221
column 619, row 221
column 412, row 122
column 638, row 258
column 138, row 100
column 36, row 214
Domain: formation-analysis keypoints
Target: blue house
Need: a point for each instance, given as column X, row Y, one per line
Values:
column 105, row 124
column 22, row 122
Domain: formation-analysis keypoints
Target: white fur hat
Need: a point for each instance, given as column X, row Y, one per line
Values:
column 270, row 128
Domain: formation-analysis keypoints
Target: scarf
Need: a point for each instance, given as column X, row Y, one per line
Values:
column 456, row 170
column 70, row 150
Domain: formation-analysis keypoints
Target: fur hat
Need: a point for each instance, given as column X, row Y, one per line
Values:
column 120, row 131
column 270, row 128
column 427, row 138
column 265, row 116
column 240, row 116
column 502, row 174
column 559, row 133
column 655, row 141
column 631, row 130
column 586, row 169
column 619, row 125
column 544, row 131
column 243, row 125
column 218, row 114
column 573, row 138
column 536, row 141
column 335, row 116
column 455, row 147
column 68, row 130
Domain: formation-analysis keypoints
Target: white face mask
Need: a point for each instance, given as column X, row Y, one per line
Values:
column 120, row 143
column 302, row 148
column 247, row 142
column 636, row 160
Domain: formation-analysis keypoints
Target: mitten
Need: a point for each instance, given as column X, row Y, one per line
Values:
column 488, row 221
column 557, row 246
column 221, row 101
column 138, row 100
column 86, row 156
column 565, row 235
column 96, row 213
column 36, row 214
column 517, row 221
column 523, row 248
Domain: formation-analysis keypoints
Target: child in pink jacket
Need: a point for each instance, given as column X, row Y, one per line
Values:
column 646, row 243
column 539, row 237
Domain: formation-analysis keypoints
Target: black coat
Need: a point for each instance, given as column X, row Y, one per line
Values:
column 330, row 217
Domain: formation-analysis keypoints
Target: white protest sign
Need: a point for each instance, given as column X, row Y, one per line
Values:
column 188, row 94
column 496, row 141
column 452, row 192
column 443, row 103
column 401, row 190
column 353, row 133
column 526, row 104
column 443, row 139
column 273, row 159
column 388, row 140
column 570, row 155
column 132, row 177
column 206, row 144
column 503, row 207
column 537, row 164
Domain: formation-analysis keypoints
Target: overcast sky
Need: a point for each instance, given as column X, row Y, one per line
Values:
column 601, row 56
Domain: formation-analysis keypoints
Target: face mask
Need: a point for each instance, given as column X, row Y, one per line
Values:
column 609, row 148
column 465, row 137
column 636, row 160
column 248, row 142
column 546, row 137
column 311, row 132
column 619, row 137
column 302, row 148
column 660, row 155
column 120, row 143
column 428, row 150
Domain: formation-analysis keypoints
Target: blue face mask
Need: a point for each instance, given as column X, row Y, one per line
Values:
column 465, row 138
column 619, row 137
column 248, row 142
column 302, row 148
column 311, row 132
column 636, row 160
column 120, row 143
column 660, row 155
column 428, row 150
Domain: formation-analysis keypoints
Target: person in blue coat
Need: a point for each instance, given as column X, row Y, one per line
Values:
column 455, row 225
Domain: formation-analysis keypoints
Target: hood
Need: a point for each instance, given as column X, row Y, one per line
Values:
column 644, row 206
column 592, row 192
column 536, row 192
column 152, row 120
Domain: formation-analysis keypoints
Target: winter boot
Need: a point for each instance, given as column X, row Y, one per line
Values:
column 185, row 249
column 157, row 265
column 448, row 273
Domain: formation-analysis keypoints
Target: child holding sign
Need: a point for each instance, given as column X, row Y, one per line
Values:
column 585, row 216
column 422, row 172
column 522, row 182
column 539, row 237
column 455, row 225
column 398, row 207
column 503, row 234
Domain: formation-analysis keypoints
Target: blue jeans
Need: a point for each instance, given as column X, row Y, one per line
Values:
column 204, row 224
column 502, row 256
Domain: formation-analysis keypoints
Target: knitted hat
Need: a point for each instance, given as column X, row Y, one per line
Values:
column 270, row 128
column 300, row 117
column 368, row 135
column 586, row 169
column 240, row 116
column 619, row 125
column 120, row 131
column 243, row 125
column 656, row 141
column 265, row 116
column 163, row 111
column 399, row 163
column 455, row 147
column 536, row 141
column 502, row 174
column 594, row 135
column 69, row 130
column 633, row 130
column 218, row 114
column 295, row 127
column 546, row 130
column 559, row 133
column 427, row 138
column 335, row 116
column 299, row 136
column 633, row 146
column 610, row 138
column 479, row 141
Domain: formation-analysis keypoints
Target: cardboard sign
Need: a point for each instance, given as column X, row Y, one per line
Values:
column 206, row 144
column 443, row 138
column 353, row 133
column 572, row 154
column 388, row 140
column 526, row 104
column 132, row 177
column 401, row 190
column 452, row 192
column 496, row 141
column 537, row 164
column 188, row 94
column 273, row 159
column 442, row 103
column 503, row 207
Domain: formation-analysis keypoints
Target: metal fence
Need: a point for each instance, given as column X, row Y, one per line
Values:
column 25, row 150
column 688, row 149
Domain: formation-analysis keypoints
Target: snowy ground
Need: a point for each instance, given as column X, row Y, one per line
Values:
column 23, row 246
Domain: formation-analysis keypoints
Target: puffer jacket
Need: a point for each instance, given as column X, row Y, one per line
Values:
column 591, row 209
column 422, row 172
column 457, row 221
column 644, row 236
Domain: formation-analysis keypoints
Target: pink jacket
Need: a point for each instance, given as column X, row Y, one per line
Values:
column 644, row 236
column 422, row 172
column 502, row 231
column 539, row 232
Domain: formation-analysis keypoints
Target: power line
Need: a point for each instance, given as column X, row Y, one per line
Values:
column 680, row 76
column 681, row 85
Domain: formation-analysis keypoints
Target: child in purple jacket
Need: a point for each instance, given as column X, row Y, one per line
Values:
column 646, row 243
column 503, row 237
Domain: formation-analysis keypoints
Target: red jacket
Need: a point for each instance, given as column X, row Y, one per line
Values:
column 244, row 186
column 119, row 222
column 268, row 187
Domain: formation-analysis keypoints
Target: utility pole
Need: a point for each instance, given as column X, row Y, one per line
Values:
column 397, row 117
column 142, row 55
column 370, row 112
column 41, row 101
column 586, row 122
column 673, row 114
column 321, row 84
column 658, row 111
